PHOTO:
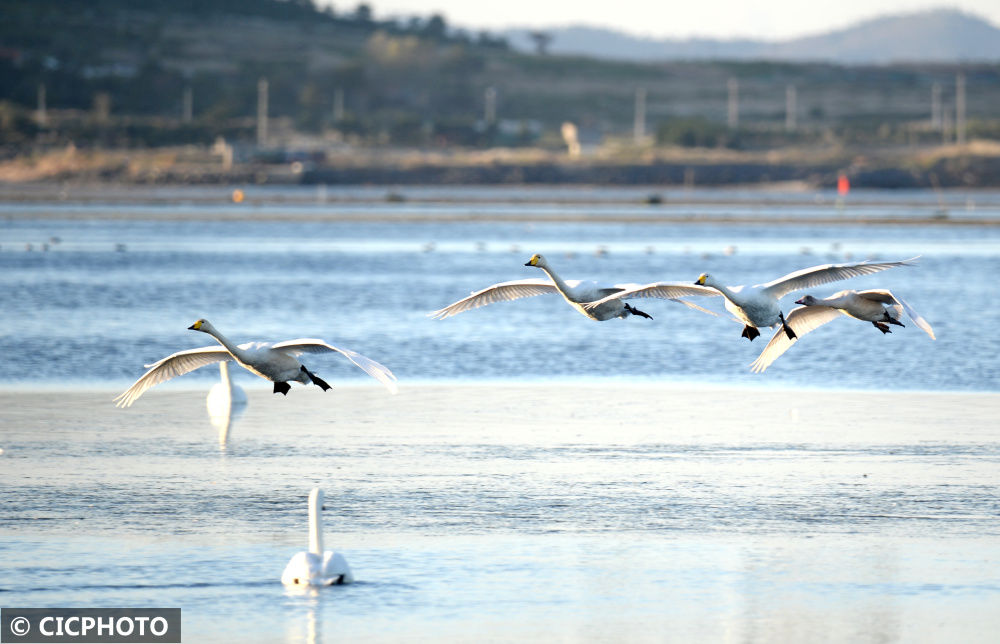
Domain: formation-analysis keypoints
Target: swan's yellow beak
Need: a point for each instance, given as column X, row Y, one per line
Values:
column 701, row 279
column 533, row 261
column 196, row 326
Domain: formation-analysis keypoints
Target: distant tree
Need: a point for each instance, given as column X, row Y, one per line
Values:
column 435, row 27
column 542, row 42
column 363, row 13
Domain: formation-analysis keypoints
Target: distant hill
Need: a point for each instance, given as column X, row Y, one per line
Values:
column 943, row 35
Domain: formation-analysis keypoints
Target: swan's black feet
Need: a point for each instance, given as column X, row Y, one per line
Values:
column 892, row 320
column 316, row 380
column 788, row 330
column 750, row 332
column 883, row 327
column 634, row 311
column 282, row 388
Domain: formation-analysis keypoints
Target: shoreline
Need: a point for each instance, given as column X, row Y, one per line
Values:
column 391, row 203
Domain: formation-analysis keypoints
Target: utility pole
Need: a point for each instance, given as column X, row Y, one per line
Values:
column 734, row 103
column 639, row 124
column 490, row 109
column 791, row 108
column 262, row 112
column 960, row 109
column 42, row 115
column 188, row 104
column 937, row 121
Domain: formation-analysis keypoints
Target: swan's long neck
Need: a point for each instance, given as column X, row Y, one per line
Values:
column 725, row 290
column 223, row 340
column 836, row 301
column 561, row 286
column 315, row 522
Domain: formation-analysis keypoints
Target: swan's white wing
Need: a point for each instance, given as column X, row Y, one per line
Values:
column 802, row 320
column 881, row 295
column 665, row 290
column 816, row 275
column 374, row 369
column 503, row 292
column 174, row 365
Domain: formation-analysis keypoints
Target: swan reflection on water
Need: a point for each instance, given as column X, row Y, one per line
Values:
column 226, row 402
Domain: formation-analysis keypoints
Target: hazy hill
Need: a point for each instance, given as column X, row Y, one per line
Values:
column 932, row 36
column 119, row 73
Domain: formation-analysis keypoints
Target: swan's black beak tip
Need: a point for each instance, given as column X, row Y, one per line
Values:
column 191, row 328
column 527, row 263
column 799, row 301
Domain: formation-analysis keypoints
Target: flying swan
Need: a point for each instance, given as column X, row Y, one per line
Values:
column 277, row 362
column 576, row 292
column 758, row 306
column 316, row 567
column 880, row 307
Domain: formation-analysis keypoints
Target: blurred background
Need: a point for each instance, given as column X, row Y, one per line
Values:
column 307, row 91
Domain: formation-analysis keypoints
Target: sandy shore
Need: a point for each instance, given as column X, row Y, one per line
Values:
column 508, row 412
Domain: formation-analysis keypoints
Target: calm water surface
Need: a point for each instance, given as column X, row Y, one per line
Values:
column 119, row 285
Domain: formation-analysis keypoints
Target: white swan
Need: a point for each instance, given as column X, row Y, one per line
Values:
column 576, row 292
column 226, row 402
column 880, row 307
column 276, row 362
column 316, row 567
column 758, row 306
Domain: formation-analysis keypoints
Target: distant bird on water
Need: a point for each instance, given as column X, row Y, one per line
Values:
column 277, row 362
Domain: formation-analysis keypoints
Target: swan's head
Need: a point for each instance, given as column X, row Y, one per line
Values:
column 808, row 300
column 536, row 260
column 201, row 325
column 703, row 279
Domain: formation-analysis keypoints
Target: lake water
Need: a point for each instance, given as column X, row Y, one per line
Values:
column 540, row 476
column 122, row 281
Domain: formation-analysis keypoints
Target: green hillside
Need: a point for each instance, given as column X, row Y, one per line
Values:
column 115, row 73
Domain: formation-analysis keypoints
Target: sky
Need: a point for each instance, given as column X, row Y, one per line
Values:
column 760, row 19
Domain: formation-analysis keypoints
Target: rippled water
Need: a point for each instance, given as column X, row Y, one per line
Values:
column 119, row 285
column 472, row 511
column 641, row 486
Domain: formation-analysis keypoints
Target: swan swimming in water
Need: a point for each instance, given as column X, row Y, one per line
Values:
column 577, row 293
column 277, row 362
column 878, row 306
column 758, row 306
column 316, row 567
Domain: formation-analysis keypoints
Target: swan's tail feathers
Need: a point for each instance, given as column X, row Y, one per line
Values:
column 282, row 388
column 634, row 311
column 316, row 380
column 750, row 333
